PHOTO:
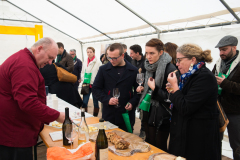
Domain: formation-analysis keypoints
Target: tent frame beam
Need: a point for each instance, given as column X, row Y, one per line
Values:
column 79, row 19
column 4, row 19
column 230, row 10
column 150, row 24
column 43, row 21
column 166, row 31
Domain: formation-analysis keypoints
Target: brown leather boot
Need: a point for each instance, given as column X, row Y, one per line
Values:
column 95, row 112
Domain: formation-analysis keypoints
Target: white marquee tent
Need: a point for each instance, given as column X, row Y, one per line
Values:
column 83, row 23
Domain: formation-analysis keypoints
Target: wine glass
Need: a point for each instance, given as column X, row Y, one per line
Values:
column 170, row 89
column 71, row 133
column 116, row 94
column 140, row 79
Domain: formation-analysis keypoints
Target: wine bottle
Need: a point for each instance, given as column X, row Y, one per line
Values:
column 101, row 145
column 83, row 132
column 66, row 122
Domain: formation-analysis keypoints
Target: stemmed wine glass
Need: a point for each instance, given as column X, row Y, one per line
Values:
column 170, row 89
column 71, row 133
column 140, row 79
column 116, row 94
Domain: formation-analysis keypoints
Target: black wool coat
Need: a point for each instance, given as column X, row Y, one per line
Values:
column 63, row 90
column 107, row 78
column 194, row 129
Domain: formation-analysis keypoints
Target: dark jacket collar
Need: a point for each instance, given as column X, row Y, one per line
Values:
column 112, row 72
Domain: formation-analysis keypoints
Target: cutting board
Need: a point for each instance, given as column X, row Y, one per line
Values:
column 136, row 144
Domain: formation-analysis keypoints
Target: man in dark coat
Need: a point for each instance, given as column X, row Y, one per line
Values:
column 126, row 56
column 138, row 61
column 64, row 58
column 117, row 74
column 229, row 65
column 77, row 67
column 137, row 57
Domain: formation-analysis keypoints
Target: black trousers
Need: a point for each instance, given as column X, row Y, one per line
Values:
column 15, row 153
column 157, row 139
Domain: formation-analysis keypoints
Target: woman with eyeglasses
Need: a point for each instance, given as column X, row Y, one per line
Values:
column 194, row 132
column 156, row 115
column 88, row 74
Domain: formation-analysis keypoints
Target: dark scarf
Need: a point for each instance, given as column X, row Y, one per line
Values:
column 226, row 64
column 184, row 77
column 74, row 59
column 59, row 56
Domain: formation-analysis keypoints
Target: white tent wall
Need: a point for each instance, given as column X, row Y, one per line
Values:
column 206, row 38
column 10, row 44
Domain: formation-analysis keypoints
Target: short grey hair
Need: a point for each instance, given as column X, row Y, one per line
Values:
column 45, row 42
column 73, row 50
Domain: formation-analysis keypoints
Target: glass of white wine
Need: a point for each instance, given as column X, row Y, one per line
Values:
column 140, row 79
column 170, row 89
column 116, row 94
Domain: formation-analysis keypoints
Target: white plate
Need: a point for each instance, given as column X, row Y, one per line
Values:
column 107, row 124
column 50, row 124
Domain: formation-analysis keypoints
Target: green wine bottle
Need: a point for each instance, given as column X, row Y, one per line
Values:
column 66, row 122
column 101, row 146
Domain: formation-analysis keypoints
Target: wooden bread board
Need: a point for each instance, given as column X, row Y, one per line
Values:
column 136, row 144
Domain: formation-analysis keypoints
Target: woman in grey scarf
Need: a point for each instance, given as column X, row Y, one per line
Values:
column 157, row 121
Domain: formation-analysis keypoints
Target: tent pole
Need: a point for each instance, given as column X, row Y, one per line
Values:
column 158, row 33
column 80, row 19
column 150, row 24
column 19, row 20
column 230, row 10
column 42, row 21
column 166, row 31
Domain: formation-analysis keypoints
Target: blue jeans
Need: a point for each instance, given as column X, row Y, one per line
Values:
column 86, row 99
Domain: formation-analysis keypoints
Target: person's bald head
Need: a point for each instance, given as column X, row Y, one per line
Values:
column 45, row 51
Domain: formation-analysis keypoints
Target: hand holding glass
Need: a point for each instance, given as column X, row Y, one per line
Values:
column 116, row 94
column 140, row 79
column 71, row 133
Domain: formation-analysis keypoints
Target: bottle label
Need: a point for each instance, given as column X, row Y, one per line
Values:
column 103, row 154
column 101, row 125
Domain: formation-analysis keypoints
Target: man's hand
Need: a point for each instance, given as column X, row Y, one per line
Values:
column 61, row 117
column 113, row 101
column 128, row 107
column 219, row 79
column 79, row 80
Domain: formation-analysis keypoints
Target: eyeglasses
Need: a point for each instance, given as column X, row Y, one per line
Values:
column 178, row 60
column 113, row 59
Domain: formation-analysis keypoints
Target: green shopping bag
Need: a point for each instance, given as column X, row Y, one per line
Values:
column 146, row 102
column 87, row 78
column 127, row 121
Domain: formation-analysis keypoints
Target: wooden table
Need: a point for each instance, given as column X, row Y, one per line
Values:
column 92, row 120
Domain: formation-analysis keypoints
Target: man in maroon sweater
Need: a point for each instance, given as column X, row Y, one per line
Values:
column 23, row 109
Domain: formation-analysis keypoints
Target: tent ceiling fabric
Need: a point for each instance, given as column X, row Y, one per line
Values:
column 111, row 18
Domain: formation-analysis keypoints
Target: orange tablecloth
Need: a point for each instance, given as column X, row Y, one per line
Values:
column 49, row 143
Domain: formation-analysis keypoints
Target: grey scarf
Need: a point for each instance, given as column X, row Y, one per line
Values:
column 159, row 67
